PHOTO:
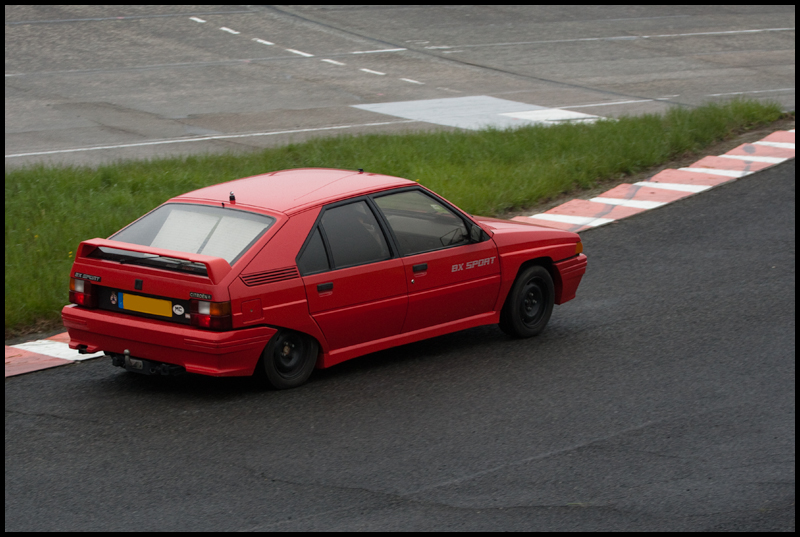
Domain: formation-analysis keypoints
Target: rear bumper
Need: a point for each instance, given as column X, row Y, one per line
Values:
column 570, row 271
column 221, row 354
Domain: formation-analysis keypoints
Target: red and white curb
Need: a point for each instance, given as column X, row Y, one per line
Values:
column 577, row 215
column 667, row 186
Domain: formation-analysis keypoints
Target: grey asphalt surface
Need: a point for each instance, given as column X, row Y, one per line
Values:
column 144, row 81
column 661, row 398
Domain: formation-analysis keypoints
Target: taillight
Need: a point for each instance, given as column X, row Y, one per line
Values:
column 211, row 315
column 80, row 293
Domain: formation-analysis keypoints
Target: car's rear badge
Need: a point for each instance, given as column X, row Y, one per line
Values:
column 89, row 277
column 200, row 295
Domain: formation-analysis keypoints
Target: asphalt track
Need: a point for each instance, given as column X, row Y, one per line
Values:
column 661, row 398
column 93, row 84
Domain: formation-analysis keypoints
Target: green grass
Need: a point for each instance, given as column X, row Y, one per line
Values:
column 49, row 210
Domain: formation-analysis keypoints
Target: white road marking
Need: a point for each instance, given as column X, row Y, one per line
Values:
column 637, row 204
column 771, row 160
column 257, row 40
column 614, row 38
column 56, row 349
column 552, row 115
column 205, row 138
column 306, row 54
column 334, row 62
column 225, row 29
column 577, row 220
column 376, row 51
column 782, row 145
column 715, row 171
column 196, row 19
column 675, row 186
column 606, row 104
column 373, row 72
column 412, row 81
column 745, row 92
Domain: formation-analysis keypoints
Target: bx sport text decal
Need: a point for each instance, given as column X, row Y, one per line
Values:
column 472, row 264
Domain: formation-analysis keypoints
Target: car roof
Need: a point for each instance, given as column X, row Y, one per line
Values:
column 291, row 191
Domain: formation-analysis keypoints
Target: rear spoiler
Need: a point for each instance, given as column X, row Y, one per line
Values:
column 216, row 267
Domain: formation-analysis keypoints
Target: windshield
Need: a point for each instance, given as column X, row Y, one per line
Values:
column 197, row 229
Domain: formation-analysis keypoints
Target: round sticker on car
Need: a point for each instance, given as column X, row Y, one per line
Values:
column 177, row 309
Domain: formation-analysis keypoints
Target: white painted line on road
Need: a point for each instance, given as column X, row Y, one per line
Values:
column 412, row 81
column 614, row 38
column 306, row 54
column 207, row 138
column 782, row 145
column 376, row 51
column 745, row 92
column 373, row 72
column 196, row 19
column 606, row 104
column 334, row 62
column 715, row 171
column 225, row 29
column 629, row 203
column 676, row 186
column 257, row 40
column 55, row 349
column 771, row 160
column 577, row 220
column 552, row 115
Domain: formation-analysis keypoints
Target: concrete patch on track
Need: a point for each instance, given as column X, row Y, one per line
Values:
column 477, row 112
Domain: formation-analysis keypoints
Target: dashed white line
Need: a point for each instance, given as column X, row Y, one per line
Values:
column 746, row 92
column 605, row 104
column 257, row 40
column 196, row 19
column 334, row 62
column 226, row 29
column 676, row 186
column 373, row 72
column 207, row 138
column 782, row 145
column 376, row 51
column 637, row 204
column 577, row 220
column 770, row 160
column 413, row 81
column 306, row 54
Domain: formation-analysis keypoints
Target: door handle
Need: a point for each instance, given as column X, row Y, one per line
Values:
column 321, row 288
column 422, row 267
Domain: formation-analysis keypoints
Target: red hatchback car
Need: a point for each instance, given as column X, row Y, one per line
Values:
column 280, row 273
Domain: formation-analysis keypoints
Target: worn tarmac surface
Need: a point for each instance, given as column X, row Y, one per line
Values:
column 661, row 398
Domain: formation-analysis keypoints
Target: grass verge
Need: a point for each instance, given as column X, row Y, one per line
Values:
column 49, row 210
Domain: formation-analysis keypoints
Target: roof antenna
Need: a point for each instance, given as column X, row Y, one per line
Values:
column 232, row 198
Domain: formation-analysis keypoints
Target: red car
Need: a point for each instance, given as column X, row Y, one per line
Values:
column 279, row 273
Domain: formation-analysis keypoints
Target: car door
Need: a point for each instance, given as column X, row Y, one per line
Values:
column 355, row 286
column 448, row 275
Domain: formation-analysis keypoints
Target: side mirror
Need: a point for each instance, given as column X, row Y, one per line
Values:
column 475, row 233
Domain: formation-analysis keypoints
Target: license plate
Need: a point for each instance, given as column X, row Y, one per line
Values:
column 143, row 304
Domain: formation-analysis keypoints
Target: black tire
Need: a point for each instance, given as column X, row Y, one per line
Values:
column 289, row 359
column 529, row 304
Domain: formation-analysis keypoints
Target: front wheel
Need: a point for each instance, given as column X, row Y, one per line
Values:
column 529, row 304
column 289, row 359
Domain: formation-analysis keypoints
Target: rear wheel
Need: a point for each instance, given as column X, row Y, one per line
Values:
column 529, row 304
column 289, row 359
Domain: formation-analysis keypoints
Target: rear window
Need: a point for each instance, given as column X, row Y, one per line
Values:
column 197, row 229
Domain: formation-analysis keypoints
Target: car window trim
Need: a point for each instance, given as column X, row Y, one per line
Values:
column 466, row 220
column 394, row 251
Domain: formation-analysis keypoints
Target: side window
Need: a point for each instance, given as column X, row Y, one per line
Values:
column 314, row 258
column 354, row 236
column 420, row 223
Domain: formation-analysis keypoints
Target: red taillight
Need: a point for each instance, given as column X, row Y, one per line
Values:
column 211, row 315
column 80, row 293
